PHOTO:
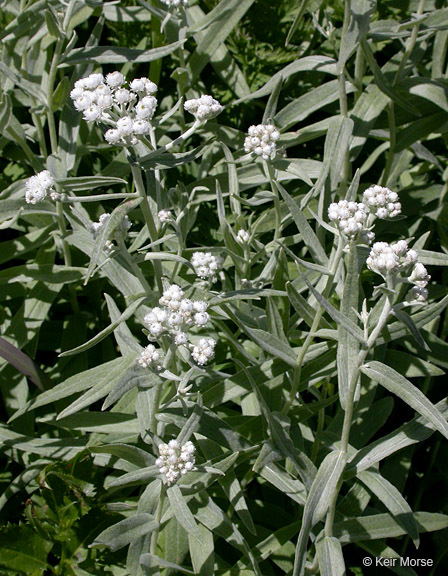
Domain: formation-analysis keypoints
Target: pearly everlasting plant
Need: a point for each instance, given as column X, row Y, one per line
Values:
column 223, row 343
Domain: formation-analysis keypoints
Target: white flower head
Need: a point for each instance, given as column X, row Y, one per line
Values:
column 206, row 265
column 172, row 297
column 150, row 357
column 243, row 236
column 92, row 113
column 175, row 460
column 180, row 339
column 203, row 108
column 164, row 216
column 383, row 259
column 140, row 127
column 146, row 107
column 113, row 136
column 350, row 217
column 175, row 3
column 115, row 79
column 125, row 126
column 38, row 186
column 261, row 140
column 122, row 96
column 203, row 351
column 382, row 202
column 419, row 275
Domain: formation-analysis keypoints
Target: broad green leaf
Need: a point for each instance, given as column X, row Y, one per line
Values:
column 81, row 183
column 108, row 330
column 316, row 63
column 183, row 514
column 397, row 384
column 315, row 99
column 360, row 14
column 329, row 554
column 348, row 346
column 53, row 274
column 126, row 531
column 391, row 497
column 385, row 526
column 23, row 550
column 202, row 553
column 416, row 430
column 100, row 375
column 308, row 235
column 337, row 316
column 273, row 345
column 317, row 503
column 142, row 476
column 231, row 13
column 117, row 55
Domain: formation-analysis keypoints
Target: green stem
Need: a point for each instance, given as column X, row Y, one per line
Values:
column 348, row 416
column 99, row 197
column 67, row 255
column 310, row 336
column 134, row 267
column 149, row 220
column 343, row 99
column 270, row 173
column 50, row 95
column 157, row 518
column 391, row 109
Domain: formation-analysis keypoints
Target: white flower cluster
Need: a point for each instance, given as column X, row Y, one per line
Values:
column 261, row 140
column 175, row 3
column 150, row 356
column 203, row 351
column 206, row 265
column 175, row 460
column 397, row 258
column 243, row 236
column 175, row 316
column 203, row 108
column 382, row 202
column 120, row 231
column 164, row 216
column 107, row 100
column 38, row 186
column 350, row 217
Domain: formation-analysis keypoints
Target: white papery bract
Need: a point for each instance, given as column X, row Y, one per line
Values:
column 203, row 108
column 175, row 460
column 206, row 265
column 108, row 101
column 350, row 217
column 38, row 186
column 150, row 357
column 382, row 202
column 261, row 140
column 203, row 351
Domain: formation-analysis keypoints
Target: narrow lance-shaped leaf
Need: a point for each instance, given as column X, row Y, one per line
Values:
column 317, row 503
column 399, row 385
column 183, row 513
column 330, row 557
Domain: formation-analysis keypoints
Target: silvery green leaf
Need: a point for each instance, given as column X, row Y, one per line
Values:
column 399, row 385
